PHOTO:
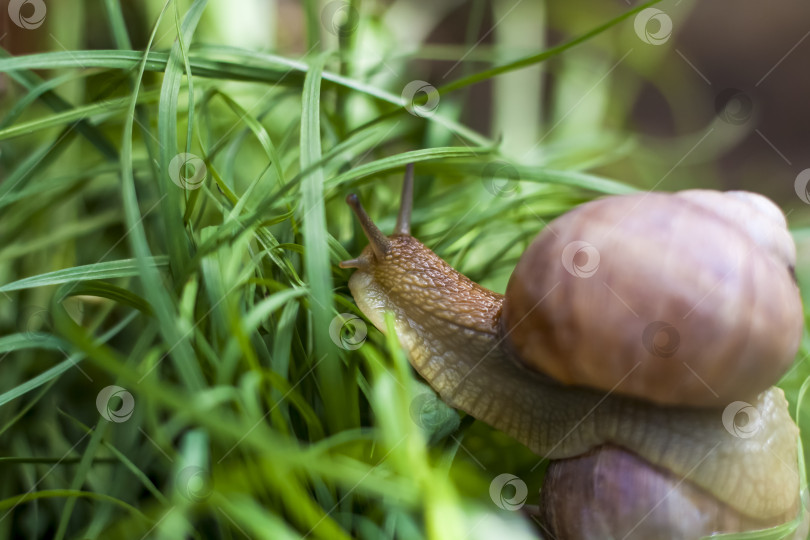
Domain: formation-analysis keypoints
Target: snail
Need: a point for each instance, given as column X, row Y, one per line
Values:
column 634, row 330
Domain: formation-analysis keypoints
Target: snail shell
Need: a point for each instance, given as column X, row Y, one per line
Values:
column 680, row 299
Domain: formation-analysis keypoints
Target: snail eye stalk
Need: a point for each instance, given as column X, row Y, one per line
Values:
column 379, row 243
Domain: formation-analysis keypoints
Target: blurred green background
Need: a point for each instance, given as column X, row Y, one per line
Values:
column 171, row 224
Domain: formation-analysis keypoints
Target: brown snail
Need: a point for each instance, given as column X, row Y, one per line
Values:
column 566, row 362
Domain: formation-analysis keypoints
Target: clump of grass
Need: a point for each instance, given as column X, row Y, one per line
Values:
column 176, row 364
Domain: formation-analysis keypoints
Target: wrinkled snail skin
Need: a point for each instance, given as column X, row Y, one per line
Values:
column 456, row 339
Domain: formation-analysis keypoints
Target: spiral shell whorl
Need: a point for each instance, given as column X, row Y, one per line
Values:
column 682, row 299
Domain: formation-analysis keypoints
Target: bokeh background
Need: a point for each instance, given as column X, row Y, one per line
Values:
column 202, row 290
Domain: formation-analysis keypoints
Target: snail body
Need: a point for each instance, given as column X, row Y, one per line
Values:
column 459, row 338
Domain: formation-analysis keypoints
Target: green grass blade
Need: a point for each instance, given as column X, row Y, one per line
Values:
column 76, row 114
column 163, row 304
column 270, row 68
column 57, row 370
column 399, row 161
column 34, row 94
column 117, row 24
column 100, row 270
column 80, row 476
column 12, row 502
column 172, row 214
column 340, row 405
column 30, row 81
column 259, row 132
column 120, row 295
column 36, row 340
column 538, row 174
